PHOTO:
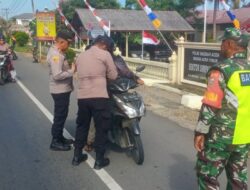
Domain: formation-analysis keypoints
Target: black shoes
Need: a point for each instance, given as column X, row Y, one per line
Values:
column 59, row 145
column 79, row 157
column 99, row 164
column 67, row 141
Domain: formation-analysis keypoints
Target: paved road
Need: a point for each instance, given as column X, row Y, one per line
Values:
column 26, row 163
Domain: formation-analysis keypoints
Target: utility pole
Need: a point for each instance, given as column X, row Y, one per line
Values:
column 33, row 7
column 6, row 10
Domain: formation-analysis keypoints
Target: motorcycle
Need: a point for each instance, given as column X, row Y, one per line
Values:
column 127, row 110
column 4, row 67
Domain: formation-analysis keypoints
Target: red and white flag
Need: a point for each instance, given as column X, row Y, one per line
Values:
column 148, row 38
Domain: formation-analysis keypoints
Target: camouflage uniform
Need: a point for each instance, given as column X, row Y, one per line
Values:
column 218, row 126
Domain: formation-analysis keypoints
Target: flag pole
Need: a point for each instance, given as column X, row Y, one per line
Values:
column 142, row 45
column 205, row 22
column 165, row 40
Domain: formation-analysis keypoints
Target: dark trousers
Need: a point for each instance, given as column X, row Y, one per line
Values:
column 61, row 109
column 99, row 109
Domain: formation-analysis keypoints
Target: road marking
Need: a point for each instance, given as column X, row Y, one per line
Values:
column 103, row 174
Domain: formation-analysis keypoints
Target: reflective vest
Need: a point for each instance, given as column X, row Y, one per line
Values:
column 239, row 84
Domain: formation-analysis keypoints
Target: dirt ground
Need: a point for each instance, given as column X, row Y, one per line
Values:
column 168, row 104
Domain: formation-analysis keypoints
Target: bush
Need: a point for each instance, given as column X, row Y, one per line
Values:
column 21, row 38
column 70, row 55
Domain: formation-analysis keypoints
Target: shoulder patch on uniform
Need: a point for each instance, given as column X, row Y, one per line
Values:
column 55, row 59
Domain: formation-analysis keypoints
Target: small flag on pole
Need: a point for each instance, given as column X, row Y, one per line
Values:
column 152, row 17
column 231, row 14
column 148, row 38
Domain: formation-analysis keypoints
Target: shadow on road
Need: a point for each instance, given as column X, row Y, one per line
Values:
column 182, row 173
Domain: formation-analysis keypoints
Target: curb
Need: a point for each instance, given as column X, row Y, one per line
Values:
column 190, row 100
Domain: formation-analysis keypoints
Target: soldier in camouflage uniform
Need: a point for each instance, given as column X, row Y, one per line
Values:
column 222, row 135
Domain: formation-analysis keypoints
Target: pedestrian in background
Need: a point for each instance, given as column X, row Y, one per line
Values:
column 222, row 135
column 61, row 86
column 94, row 67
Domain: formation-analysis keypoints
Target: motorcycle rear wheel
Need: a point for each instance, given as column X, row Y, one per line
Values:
column 2, row 77
column 137, row 150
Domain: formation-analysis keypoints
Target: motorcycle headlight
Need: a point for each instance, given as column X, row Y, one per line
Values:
column 142, row 110
column 1, row 63
column 130, row 112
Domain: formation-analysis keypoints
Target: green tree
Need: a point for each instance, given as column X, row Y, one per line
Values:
column 70, row 6
column 183, row 7
column 21, row 38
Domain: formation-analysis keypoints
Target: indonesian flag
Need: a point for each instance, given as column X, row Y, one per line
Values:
column 148, row 38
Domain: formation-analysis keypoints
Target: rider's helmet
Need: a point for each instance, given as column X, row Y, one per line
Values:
column 106, row 40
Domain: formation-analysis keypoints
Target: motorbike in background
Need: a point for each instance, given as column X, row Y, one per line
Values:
column 13, row 53
column 127, row 109
column 4, row 67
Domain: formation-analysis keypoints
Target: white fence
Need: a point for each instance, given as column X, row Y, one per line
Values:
column 188, row 66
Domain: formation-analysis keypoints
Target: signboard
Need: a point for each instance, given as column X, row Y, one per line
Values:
column 198, row 62
column 46, row 25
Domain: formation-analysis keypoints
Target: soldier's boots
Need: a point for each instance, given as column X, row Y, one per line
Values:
column 59, row 145
column 101, row 161
column 79, row 157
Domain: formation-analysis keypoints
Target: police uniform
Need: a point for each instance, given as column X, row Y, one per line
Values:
column 224, row 120
column 61, row 86
column 94, row 67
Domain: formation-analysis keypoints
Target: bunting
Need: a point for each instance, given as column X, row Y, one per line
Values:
column 231, row 14
column 101, row 21
column 64, row 19
column 66, row 22
column 152, row 17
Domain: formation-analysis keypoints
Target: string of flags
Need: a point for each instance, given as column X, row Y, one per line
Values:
column 231, row 14
column 101, row 21
column 65, row 20
column 152, row 17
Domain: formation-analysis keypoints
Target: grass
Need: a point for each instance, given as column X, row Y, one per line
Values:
column 23, row 49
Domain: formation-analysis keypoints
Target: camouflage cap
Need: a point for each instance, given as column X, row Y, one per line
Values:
column 242, row 38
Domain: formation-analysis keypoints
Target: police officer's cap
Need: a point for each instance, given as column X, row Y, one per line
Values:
column 242, row 38
column 63, row 34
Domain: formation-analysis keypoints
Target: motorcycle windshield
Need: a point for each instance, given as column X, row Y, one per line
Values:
column 121, row 85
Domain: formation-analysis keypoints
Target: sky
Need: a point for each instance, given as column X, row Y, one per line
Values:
column 16, row 7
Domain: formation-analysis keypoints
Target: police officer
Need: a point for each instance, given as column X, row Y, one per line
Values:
column 61, row 85
column 222, row 135
column 94, row 67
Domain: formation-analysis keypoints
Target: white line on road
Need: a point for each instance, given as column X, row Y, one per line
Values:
column 104, row 176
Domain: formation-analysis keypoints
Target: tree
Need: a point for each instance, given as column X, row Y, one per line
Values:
column 21, row 38
column 69, row 6
column 183, row 7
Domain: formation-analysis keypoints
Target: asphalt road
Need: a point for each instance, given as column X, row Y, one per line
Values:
column 26, row 163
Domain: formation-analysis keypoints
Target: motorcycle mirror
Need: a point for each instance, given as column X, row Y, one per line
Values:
column 140, row 68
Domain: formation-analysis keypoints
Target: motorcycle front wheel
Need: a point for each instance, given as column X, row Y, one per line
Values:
column 137, row 149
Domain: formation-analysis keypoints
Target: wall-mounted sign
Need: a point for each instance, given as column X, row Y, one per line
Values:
column 197, row 63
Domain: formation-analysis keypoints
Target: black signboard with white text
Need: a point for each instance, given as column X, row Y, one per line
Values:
column 198, row 62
